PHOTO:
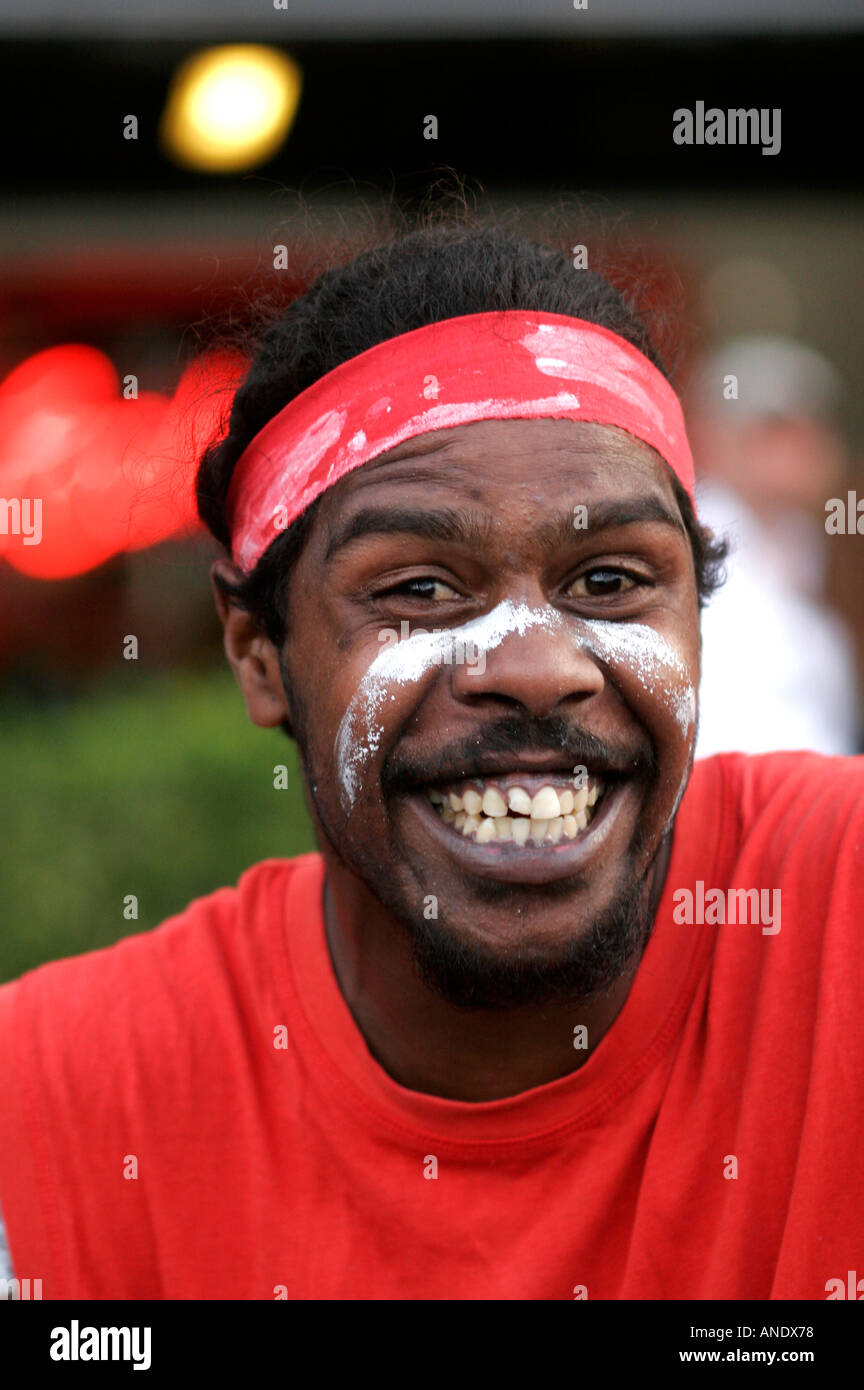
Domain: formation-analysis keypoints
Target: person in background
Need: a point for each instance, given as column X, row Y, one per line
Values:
column 768, row 456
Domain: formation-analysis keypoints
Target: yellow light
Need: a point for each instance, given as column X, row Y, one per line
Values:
column 230, row 108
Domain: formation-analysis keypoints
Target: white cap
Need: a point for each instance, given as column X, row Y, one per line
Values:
column 776, row 376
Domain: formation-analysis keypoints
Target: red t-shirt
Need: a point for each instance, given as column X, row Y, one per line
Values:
column 155, row 1142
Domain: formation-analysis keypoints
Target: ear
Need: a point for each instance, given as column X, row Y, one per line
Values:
column 252, row 656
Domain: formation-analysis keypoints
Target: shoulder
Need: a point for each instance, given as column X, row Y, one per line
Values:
column 780, row 789
column 791, row 823
column 166, row 982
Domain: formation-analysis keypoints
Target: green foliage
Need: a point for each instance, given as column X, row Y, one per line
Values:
column 165, row 792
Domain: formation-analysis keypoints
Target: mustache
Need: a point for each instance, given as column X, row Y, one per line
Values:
column 480, row 754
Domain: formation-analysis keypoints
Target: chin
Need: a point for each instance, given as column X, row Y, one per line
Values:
column 518, row 965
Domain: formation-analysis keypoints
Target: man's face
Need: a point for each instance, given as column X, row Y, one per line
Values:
column 561, row 545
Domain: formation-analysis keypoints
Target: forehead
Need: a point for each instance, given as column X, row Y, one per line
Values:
column 492, row 461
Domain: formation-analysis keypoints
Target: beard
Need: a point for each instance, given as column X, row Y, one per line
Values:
column 472, row 975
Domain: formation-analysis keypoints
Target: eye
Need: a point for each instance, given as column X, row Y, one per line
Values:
column 425, row 587
column 602, row 583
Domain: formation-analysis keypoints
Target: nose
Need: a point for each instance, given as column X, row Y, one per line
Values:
column 536, row 671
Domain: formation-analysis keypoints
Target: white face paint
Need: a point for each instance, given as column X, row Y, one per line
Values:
column 652, row 659
column 656, row 663
column 407, row 662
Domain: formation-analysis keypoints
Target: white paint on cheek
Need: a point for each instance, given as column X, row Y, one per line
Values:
column 656, row 664
column 659, row 668
column 407, row 662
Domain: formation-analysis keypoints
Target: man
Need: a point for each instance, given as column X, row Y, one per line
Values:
column 554, row 1014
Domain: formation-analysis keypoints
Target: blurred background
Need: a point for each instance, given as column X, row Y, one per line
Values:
column 167, row 165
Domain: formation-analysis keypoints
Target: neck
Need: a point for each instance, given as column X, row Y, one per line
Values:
column 428, row 1045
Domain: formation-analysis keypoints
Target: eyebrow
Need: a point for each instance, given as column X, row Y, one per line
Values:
column 444, row 525
column 607, row 516
column 463, row 527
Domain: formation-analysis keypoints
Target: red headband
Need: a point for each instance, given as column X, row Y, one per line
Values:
column 506, row 365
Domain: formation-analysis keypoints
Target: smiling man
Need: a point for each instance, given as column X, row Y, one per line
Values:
column 509, row 815
column 474, row 1049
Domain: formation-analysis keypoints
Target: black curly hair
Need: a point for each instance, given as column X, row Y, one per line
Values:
column 439, row 270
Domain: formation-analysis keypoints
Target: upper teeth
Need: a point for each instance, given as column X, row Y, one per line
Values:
column 488, row 813
column 544, row 805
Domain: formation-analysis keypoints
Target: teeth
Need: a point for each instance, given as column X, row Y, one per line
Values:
column 519, row 800
column 550, row 815
column 494, row 803
column 545, row 804
column 521, row 830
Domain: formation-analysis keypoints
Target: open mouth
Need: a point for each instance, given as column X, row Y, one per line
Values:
column 527, row 824
column 519, row 808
